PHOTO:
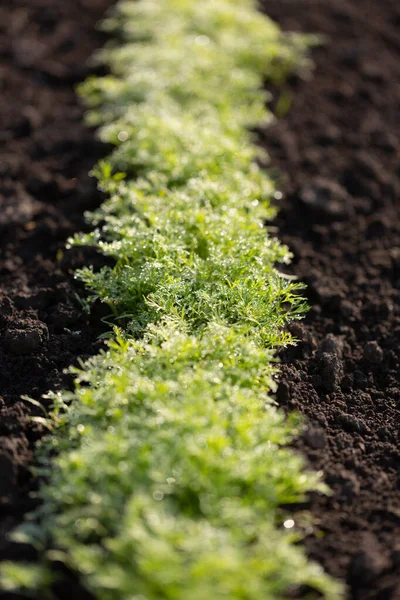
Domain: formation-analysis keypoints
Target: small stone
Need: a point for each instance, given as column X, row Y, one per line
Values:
column 25, row 337
column 373, row 353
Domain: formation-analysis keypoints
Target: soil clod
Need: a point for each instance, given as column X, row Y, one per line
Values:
column 24, row 337
column 373, row 353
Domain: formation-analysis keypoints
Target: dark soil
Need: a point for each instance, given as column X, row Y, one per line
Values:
column 339, row 146
column 45, row 156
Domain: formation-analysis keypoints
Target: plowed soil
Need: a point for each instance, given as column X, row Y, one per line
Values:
column 45, row 156
column 339, row 148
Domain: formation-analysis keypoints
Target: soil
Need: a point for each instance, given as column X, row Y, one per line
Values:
column 45, row 156
column 339, row 146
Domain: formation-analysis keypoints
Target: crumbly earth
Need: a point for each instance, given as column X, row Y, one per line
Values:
column 45, row 156
column 339, row 146
column 339, row 149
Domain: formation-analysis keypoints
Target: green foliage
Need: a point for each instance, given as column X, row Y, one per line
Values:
column 25, row 578
column 171, row 469
column 196, row 252
column 170, row 462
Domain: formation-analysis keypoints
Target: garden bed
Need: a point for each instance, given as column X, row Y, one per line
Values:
column 339, row 147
